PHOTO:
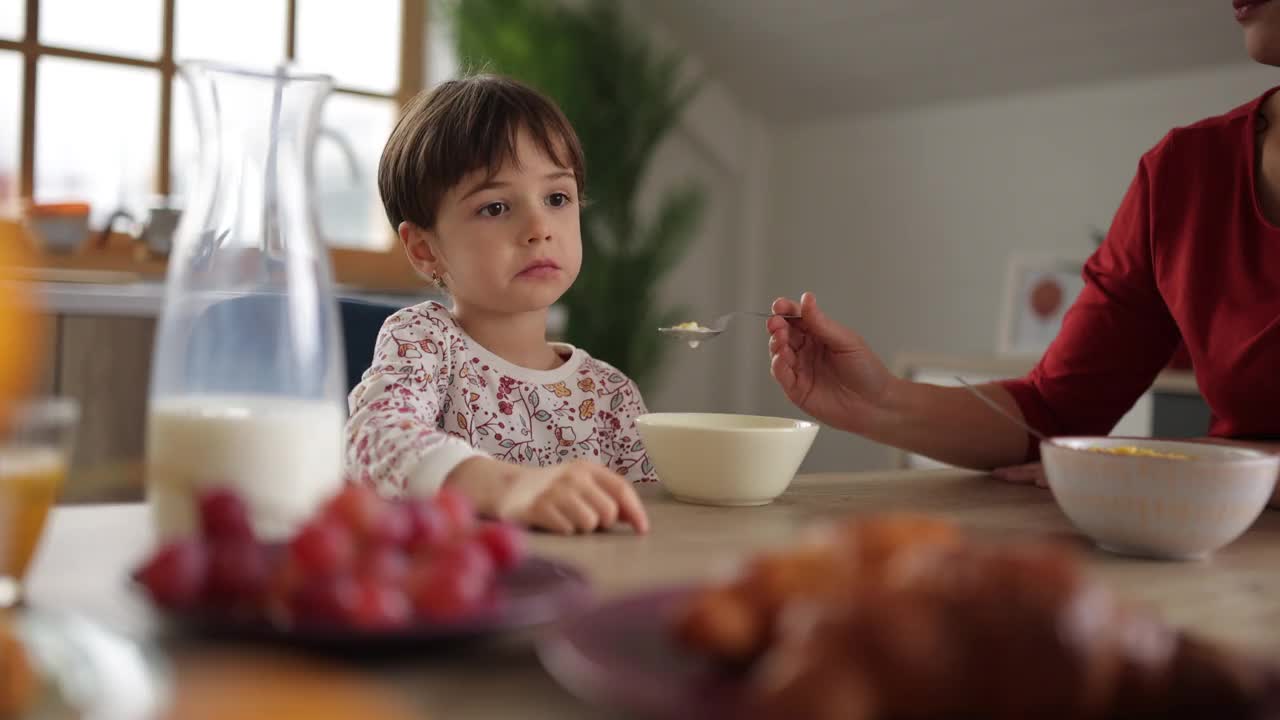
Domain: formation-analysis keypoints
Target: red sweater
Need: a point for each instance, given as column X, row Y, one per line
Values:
column 1189, row 255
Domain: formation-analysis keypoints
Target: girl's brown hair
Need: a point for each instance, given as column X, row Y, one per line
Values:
column 462, row 126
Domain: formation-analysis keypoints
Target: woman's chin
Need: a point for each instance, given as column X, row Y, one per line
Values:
column 1263, row 44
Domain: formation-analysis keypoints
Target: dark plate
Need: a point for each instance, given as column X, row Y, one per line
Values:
column 621, row 655
column 536, row 592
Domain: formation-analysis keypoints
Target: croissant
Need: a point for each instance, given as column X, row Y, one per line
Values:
column 735, row 622
column 900, row 626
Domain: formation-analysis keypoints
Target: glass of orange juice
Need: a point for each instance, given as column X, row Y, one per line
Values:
column 33, row 464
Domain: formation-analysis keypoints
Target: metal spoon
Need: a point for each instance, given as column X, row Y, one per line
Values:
column 694, row 336
column 996, row 406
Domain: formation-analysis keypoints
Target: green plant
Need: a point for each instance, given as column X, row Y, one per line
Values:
column 623, row 98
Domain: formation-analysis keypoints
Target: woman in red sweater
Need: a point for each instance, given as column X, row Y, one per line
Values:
column 1193, row 254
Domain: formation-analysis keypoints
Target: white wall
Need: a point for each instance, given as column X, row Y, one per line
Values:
column 722, row 269
column 902, row 222
column 725, row 148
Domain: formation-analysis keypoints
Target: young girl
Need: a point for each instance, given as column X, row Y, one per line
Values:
column 482, row 179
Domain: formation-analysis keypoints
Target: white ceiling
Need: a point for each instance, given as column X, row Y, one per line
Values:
column 794, row 59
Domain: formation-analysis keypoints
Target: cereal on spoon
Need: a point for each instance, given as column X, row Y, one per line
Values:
column 692, row 326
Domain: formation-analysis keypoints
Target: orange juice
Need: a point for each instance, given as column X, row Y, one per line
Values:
column 29, row 482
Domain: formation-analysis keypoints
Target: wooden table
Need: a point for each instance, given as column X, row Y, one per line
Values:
column 1234, row 596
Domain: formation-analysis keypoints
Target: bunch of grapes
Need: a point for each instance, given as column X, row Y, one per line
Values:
column 362, row 562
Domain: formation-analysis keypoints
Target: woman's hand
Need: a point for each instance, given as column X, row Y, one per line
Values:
column 1028, row 474
column 825, row 368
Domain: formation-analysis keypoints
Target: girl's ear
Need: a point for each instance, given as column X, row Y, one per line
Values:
column 419, row 247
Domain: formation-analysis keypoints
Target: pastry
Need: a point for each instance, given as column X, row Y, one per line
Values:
column 903, row 618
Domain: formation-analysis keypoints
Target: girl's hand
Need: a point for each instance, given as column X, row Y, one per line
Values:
column 580, row 496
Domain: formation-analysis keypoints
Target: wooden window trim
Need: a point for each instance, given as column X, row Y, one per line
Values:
column 373, row 269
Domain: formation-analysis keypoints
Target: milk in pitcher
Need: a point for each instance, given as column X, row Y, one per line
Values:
column 282, row 455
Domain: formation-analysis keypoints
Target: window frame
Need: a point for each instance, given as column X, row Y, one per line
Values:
column 373, row 268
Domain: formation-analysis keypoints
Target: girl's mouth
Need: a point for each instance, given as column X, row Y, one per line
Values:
column 539, row 269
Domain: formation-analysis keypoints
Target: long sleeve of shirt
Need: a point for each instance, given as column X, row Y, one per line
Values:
column 1191, row 261
column 434, row 398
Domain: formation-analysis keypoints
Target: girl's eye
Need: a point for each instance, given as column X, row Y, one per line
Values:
column 558, row 199
column 494, row 209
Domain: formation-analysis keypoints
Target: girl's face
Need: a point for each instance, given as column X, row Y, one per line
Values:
column 1261, row 22
column 510, row 242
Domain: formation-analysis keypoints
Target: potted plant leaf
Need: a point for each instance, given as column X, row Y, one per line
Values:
column 623, row 98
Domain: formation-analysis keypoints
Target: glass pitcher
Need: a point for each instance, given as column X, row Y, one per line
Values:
column 247, row 380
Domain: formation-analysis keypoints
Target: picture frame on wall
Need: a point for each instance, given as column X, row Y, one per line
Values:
column 1038, row 290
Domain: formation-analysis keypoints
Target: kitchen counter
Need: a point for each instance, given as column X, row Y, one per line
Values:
column 1182, row 382
column 144, row 299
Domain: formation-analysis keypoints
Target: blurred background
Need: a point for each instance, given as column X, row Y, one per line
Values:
column 934, row 171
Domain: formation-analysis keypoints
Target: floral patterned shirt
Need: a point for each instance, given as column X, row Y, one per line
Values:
column 434, row 398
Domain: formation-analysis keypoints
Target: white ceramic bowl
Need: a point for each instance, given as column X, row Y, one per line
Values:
column 719, row 459
column 1159, row 507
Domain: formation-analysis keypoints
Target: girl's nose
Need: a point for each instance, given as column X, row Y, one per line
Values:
column 538, row 229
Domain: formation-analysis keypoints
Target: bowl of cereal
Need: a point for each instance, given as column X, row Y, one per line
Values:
column 1158, row 498
column 725, row 459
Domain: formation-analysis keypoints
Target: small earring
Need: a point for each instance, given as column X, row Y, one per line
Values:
column 437, row 280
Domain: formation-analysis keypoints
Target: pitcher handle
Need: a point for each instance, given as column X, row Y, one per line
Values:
column 104, row 239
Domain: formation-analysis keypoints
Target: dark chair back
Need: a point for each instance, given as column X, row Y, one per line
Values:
column 359, row 322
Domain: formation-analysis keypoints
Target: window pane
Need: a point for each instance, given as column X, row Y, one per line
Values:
column 105, row 158
column 346, row 165
column 347, row 151
column 13, row 19
column 119, row 27
column 10, row 125
column 184, row 151
column 442, row 63
column 242, row 32
column 359, row 49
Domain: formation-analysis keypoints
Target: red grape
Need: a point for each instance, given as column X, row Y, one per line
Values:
column 387, row 564
column 175, row 575
column 458, row 508
column 363, row 561
column 238, row 571
column 332, row 600
column 359, row 508
column 504, row 542
column 467, row 558
column 442, row 600
column 285, row 579
column 453, row 581
column 430, row 527
column 323, row 548
column 444, row 596
column 396, row 527
column 223, row 515
column 381, row 606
